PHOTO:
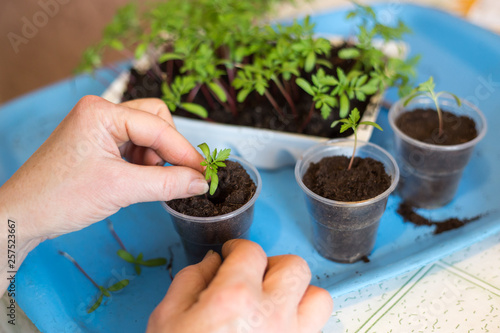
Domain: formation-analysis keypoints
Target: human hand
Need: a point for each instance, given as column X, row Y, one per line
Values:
column 248, row 292
column 78, row 176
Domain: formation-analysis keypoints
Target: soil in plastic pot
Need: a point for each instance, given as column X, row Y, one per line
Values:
column 235, row 189
column 340, row 233
column 439, row 172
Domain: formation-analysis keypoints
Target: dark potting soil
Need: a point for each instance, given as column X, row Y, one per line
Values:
column 423, row 125
column 409, row 214
column 256, row 111
column 330, row 178
column 235, row 189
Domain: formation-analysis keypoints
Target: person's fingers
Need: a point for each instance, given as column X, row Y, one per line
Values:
column 314, row 309
column 244, row 263
column 288, row 275
column 148, row 130
column 155, row 183
column 152, row 158
column 152, row 105
column 187, row 285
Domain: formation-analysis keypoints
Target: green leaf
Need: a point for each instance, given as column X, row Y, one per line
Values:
column 371, row 123
column 195, row 109
column 305, row 86
column 217, row 90
column 349, row 53
column 205, row 149
column 220, row 164
column 138, row 269
column 125, row 256
column 242, row 95
column 169, row 56
column 223, row 155
column 139, row 257
column 457, row 99
column 214, row 183
column 119, row 285
column 310, row 62
column 140, row 50
column 96, row 304
column 116, row 44
column 345, row 127
column 344, row 106
column 410, row 98
column 354, row 116
column 154, row 262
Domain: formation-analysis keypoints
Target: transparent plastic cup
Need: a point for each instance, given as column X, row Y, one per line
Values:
column 345, row 231
column 430, row 173
column 201, row 234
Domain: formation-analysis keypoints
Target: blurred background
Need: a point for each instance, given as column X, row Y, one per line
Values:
column 42, row 40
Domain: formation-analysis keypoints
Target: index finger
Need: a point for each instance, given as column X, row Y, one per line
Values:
column 152, row 105
column 149, row 130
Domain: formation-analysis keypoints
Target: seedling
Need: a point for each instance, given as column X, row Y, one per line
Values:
column 352, row 122
column 427, row 88
column 128, row 257
column 210, row 55
column 213, row 161
column 103, row 292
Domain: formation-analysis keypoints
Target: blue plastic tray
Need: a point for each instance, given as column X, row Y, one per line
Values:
column 463, row 58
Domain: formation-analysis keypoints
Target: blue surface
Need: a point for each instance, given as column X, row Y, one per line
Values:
column 460, row 56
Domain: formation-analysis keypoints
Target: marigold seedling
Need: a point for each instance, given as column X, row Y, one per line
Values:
column 352, row 122
column 427, row 88
column 103, row 292
column 128, row 257
column 213, row 161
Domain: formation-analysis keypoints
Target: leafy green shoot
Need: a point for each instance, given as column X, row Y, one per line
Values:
column 353, row 123
column 128, row 257
column 427, row 88
column 103, row 292
column 213, row 161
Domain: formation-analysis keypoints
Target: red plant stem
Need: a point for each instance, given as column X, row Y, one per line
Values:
column 170, row 71
column 308, row 119
column 231, row 104
column 288, row 87
column 193, row 93
column 287, row 97
column 70, row 258
column 354, row 150
column 273, row 103
column 295, row 88
column 208, row 97
column 115, row 235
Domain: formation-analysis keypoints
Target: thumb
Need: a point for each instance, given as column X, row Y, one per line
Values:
column 157, row 183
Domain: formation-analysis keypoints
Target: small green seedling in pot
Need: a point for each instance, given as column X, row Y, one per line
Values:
column 427, row 88
column 352, row 122
column 213, row 162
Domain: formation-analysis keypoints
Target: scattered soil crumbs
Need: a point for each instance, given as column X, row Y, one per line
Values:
column 409, row 214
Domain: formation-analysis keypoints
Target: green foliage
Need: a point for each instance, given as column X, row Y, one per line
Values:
column 213, row 161
column 352, row 123
column 329, row 92
column 427, row 88
column 228, row 51
column 106, row 292
column 389, row 72
column 139, row 261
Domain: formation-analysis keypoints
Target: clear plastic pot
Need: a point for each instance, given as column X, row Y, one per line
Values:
column 345, row 231
column 430, row 173
column 200, row 234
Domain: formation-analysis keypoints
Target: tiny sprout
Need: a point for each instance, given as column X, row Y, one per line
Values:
column 213, row 161
column 427, row 88
column 352, row 122
column 128, row 257
column 104, row 292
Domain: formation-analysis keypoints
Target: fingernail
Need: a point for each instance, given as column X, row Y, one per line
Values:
column 209, row 253
column 198, row 187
